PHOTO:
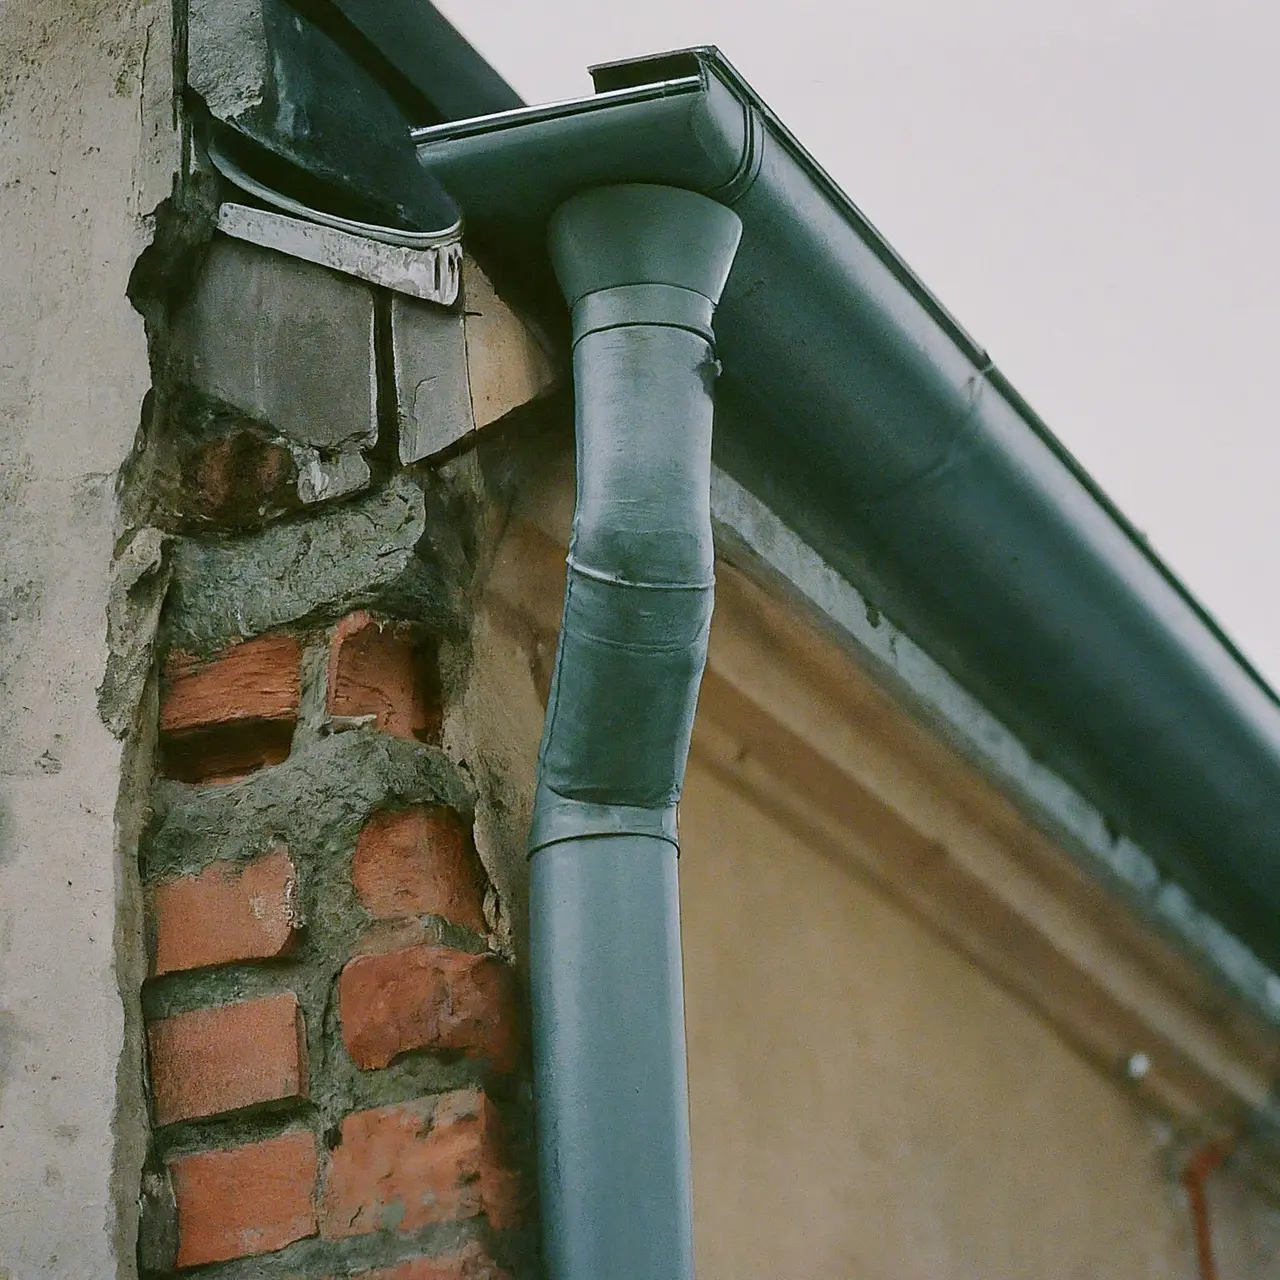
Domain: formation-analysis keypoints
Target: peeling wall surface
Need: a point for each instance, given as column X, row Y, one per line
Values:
column 86, row 152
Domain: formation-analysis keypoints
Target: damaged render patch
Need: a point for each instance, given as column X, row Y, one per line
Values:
column 360, row 554
column 139, row 580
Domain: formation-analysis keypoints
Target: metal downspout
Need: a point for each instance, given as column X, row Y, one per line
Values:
column 642, row 268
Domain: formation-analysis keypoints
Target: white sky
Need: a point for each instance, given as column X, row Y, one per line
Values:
column 1092, row 187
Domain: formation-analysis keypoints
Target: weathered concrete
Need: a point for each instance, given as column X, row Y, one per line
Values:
column 285, row 342
column 433, row 401
column 87, row 150
column 345, row 557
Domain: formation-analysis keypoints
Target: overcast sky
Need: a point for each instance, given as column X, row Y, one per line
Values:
column 1091, row 186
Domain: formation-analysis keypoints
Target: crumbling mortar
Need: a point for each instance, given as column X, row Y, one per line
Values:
column 259, row 1123
column 313, row 717
column 340, row 1258
column 183, row 991
column 316, row 803
column 387, row 550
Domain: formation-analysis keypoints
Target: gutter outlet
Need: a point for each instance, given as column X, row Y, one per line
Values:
column 642, row 268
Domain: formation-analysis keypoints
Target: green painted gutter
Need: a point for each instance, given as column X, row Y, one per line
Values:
column 856, row 407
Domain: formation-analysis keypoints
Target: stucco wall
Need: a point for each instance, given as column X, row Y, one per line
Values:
column 866, row 1103
column 86, row 150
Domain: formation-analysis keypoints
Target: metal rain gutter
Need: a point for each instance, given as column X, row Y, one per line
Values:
column 881, row 431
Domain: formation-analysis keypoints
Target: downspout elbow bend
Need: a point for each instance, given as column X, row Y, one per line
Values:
column 642, row 268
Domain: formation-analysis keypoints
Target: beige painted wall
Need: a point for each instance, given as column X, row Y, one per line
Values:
column 867, row 1105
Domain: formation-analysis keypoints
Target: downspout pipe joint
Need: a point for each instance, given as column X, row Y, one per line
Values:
column 642, row 268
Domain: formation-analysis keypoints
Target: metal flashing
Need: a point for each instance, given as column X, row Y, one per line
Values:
column 430, row 272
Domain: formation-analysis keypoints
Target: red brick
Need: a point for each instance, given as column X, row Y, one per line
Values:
column 407, row 1166
column 428, row 997
column 210, row 1061
column 225, row 717
column 224, row 914
column 385, row 670
column 245, row 1201
column 240, row 478
column 419, row 862
column 253, row 680
column 470, row 1263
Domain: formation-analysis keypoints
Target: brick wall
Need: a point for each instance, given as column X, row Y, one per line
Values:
column 335, row 1031
column 335, row 1049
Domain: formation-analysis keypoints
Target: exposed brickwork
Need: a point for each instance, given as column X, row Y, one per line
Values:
column 225, row 914
column 406, row 1166
column 239, row 477
column 245, row 1201
column 241, row 1066
column 384, row 670
column 235, row 713
column 211, row 1061
column 255, row 680
column 419, row 861
column 469, row 1263
column 361, row 829
column 428, row 997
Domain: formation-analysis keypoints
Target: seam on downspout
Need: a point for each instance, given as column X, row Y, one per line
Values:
column 599, row 575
